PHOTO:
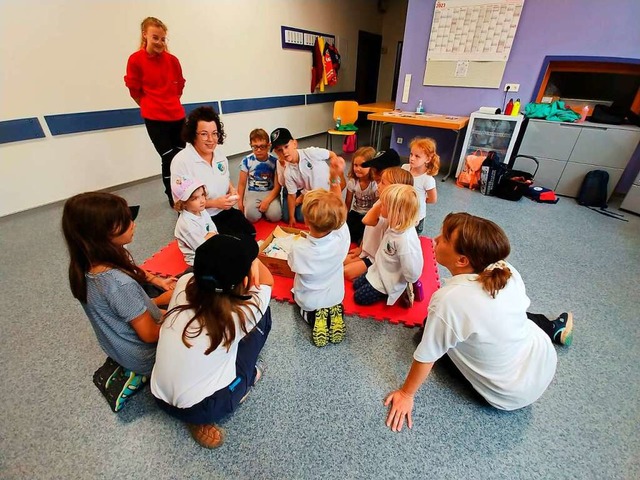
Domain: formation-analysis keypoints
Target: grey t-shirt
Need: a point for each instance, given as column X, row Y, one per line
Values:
column 113, row 300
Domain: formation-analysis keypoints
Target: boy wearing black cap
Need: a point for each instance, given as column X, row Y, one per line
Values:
column 383, row 159
column 307, row 168
column 217, row 324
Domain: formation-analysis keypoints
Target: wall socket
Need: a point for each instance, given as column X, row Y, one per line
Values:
column 513, row 87
column 399, row 140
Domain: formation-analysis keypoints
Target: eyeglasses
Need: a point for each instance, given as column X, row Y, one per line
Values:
column 259, row 147
column 205, row 135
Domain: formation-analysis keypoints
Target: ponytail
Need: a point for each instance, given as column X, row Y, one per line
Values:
column 485, row 245
column 494, row 277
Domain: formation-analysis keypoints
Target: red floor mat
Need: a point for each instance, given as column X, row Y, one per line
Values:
column 169, row 261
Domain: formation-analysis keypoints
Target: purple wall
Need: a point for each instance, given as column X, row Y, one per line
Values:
column 593, row 28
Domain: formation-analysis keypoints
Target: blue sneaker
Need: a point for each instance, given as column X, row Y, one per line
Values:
column 124, row 385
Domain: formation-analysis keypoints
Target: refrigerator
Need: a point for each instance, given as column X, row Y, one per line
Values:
column 487, row 132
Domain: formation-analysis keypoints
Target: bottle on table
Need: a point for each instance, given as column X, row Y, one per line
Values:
column 420, row 108
column 338, row 123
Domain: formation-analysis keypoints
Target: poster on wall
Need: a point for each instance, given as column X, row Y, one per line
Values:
column 470, row 41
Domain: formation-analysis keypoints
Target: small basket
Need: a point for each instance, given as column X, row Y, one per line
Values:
column 513, row 184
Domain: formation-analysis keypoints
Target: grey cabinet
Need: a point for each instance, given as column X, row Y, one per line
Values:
column 567, row 151
column 631, row 200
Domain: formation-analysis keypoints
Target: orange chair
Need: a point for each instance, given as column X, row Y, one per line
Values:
column 347, row 110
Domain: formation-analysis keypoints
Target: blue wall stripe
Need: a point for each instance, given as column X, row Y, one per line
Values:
column 20, row 129
column 66, row 123
column 102, row 120
column 251, row 104
column 330, row 97
column 88, row 121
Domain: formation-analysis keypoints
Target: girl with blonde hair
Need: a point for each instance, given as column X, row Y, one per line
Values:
column 155, row 82
column 398, row 261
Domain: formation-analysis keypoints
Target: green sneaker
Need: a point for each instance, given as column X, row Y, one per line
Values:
column 337, row 328
column 123, row 386
column 320, row 327
column 563, row 329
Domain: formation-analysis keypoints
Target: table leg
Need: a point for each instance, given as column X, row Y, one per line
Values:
column 453, row 155
column 372, row 133
column 379, row 131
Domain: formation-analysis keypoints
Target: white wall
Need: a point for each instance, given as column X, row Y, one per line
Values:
column 392, row 33
column 66, row 56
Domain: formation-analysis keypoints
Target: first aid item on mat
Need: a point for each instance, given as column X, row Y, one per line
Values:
column 514, row 183
column 418, row 291
column 274, row 250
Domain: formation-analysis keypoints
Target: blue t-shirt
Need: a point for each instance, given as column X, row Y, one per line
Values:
column 260, row 173
column 113, row 300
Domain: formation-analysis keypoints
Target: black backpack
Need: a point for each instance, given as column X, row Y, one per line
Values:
column 593, row 193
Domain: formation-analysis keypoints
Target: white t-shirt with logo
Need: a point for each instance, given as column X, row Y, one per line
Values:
column 507, row 358
column 312, row 171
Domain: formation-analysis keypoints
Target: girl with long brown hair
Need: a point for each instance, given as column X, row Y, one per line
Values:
column 109, row 286
column 480, row 320
column 217, row 323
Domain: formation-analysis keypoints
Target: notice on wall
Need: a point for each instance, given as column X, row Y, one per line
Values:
column 470, row 42
column 476, row 30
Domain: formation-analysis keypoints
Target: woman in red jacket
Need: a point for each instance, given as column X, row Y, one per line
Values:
column 155, row 82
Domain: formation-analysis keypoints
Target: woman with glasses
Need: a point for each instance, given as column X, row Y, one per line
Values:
column 258, row 185
column 202, row 161
column 155, row 82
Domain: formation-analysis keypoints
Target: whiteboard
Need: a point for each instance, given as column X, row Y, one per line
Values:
column 470, row 41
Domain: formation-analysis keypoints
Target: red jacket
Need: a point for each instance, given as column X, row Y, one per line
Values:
column 158, row 82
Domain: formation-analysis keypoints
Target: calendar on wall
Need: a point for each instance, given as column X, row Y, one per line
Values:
column 470, row 41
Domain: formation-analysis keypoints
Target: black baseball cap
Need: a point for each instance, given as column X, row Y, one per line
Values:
column 383, row 159
column 280, row 136
column 223, row 261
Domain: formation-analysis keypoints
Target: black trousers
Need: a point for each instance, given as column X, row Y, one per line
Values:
column 167, row 140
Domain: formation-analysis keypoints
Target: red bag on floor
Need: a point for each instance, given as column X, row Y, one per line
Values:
column 350, row 143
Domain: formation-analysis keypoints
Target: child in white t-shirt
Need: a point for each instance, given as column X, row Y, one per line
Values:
column 398, row 261
column 318, row 286
column 362, row 192
column 194, row 224
column 361, row 258
column 307, row 168
column 424, row 164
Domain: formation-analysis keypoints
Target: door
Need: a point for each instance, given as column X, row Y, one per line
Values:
column 368, row 66
column 396, row 71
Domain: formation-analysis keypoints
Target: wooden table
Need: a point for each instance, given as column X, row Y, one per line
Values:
column 430, row 120
column 378, row 107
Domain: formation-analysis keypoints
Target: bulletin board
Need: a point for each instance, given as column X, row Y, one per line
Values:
column 470, row 42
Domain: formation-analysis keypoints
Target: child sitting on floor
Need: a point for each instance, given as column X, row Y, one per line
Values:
column 398, row 261
column 362, row 192
column 256, row 181
column 318, row 286
column 424, row 164
column 361, row 258
column 194, row 224
column 307, row 168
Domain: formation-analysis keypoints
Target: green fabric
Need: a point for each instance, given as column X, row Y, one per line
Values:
column 555, row 112
column 349, row 127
